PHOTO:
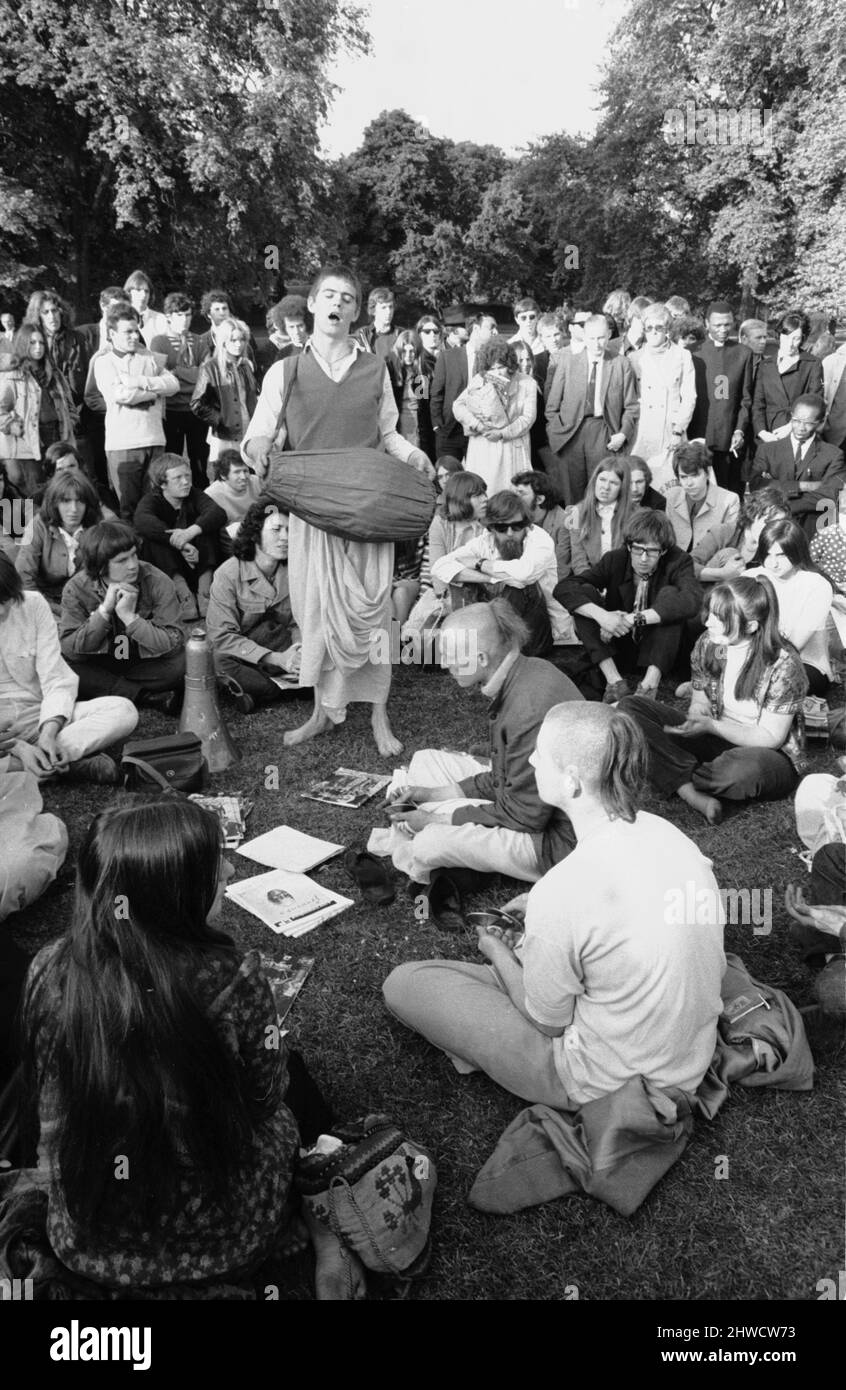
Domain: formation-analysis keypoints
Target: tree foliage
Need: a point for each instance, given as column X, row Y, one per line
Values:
column 184, row 133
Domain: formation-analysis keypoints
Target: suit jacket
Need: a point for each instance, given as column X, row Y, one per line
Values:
column 674, row 590
column 719, row 507
column 565, row 406
column 823, row 463
column 774, row 394
column 449, row 380
column 728, row 372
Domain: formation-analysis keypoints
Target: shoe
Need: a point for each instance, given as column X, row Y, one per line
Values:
column 243, row 702
column 188, row 610
column 615, row 692
column 97, row 768
column 649, row 692
column 167, row 701
column 372, row 875
column 445, row 903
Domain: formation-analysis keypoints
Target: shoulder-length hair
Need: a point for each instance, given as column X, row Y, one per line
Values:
column 497, row 352
column 20, row 359
column 62, row 488
column 39, row 298
column 740, row 604
column 221, row 334
column 590, row 524
column 406, row 335
column 459, row 490
column 114, row 1021
column 248, row 535
column 785, row 532
column 101, row 543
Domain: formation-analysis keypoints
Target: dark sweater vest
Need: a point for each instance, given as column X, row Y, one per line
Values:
column 326, row 414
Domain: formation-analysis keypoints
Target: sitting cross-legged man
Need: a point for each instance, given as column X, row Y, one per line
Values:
column 478, row 815
column 250, row 625
column 43, row 729
column 180, row 530
column 631, row 607
column 605, row 985
column 120, row 628
column 513, row 558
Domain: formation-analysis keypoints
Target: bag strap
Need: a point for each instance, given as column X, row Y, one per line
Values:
column 289, row 379
column 152, row 772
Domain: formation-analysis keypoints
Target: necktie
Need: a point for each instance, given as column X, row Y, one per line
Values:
column 591, row 390
column 797, row 457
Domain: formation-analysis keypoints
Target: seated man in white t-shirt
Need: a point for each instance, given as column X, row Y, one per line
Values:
column 619, row 971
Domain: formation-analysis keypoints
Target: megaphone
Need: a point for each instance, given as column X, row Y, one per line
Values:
column 200, row 711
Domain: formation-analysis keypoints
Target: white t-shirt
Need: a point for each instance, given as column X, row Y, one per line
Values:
column 741, row 711
column 624, row 949
column 804, row 600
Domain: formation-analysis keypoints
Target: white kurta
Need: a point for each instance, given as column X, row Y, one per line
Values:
column 340, row 589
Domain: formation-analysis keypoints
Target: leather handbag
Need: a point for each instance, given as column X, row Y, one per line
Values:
column 173, row 762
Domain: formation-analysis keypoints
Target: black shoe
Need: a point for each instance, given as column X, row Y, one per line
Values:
column 445, row 903
column 373, row 876
column 167, row 701
column 243, row 702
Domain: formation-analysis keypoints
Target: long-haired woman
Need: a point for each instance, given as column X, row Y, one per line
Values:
column 804, row 596
column 49, row 556
column 225, row 394
column 599, row 521
column 36, row 408
column 736, row 742
column 497, row 410
column 164, row 1133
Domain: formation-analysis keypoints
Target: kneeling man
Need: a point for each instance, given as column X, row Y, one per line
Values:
column 605, row 985
column 487, row 815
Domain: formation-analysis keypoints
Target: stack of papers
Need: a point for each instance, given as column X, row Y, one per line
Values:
column 286, row 848
column 290, row 904
column 232, row 812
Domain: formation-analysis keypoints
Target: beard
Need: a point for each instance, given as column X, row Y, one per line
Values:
column 508, row 549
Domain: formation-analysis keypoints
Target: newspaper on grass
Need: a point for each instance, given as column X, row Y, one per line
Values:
column 290, row 904
column 346, row 787
column 232, row 811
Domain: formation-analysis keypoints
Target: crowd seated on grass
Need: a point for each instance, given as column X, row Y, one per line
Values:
column 541, row 613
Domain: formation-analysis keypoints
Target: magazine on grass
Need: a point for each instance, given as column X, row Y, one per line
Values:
column 289, row 904
column 347, row 787
column 286, row 978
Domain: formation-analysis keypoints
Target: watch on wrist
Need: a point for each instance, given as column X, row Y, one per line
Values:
column 478, row 566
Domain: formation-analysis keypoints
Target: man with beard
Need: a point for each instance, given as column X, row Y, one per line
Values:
column 630, row 608
column 515, row 559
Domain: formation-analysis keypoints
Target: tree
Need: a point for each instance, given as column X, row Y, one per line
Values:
column 190, row 128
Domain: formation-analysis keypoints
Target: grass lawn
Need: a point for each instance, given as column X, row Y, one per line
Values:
column 770, row 1230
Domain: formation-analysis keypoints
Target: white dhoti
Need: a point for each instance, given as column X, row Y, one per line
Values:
column 341, row 602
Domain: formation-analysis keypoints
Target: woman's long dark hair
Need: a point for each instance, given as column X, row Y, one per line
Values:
column 115, row 1023
column 794, row 544
column 738, row 603
column 20, row 359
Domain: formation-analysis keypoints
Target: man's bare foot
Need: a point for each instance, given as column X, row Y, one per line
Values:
column 319, row 723
column 338, row 1274
column 708, row 806
column 386, row 741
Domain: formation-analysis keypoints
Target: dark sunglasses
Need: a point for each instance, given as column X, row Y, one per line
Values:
column 503, row 527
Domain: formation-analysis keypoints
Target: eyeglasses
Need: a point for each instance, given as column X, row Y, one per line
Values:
column 645, row 552
column 436, row 331
column 655, row 328
column 503, row 527
column 526, row 316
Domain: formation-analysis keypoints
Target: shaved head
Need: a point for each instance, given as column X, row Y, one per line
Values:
column 604, row 747
column 474, row 640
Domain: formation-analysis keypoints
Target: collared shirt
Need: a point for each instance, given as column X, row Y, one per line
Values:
column 537, row 565
column 240, row 594
column 267, row 423
column 494, row 684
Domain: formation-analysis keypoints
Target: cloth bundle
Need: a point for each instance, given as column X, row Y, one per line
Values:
column 358, row 494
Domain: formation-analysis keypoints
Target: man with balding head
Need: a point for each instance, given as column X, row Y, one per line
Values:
column 487, row 815
column 618, row 973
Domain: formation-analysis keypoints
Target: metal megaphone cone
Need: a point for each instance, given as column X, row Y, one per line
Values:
column 200, row 711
